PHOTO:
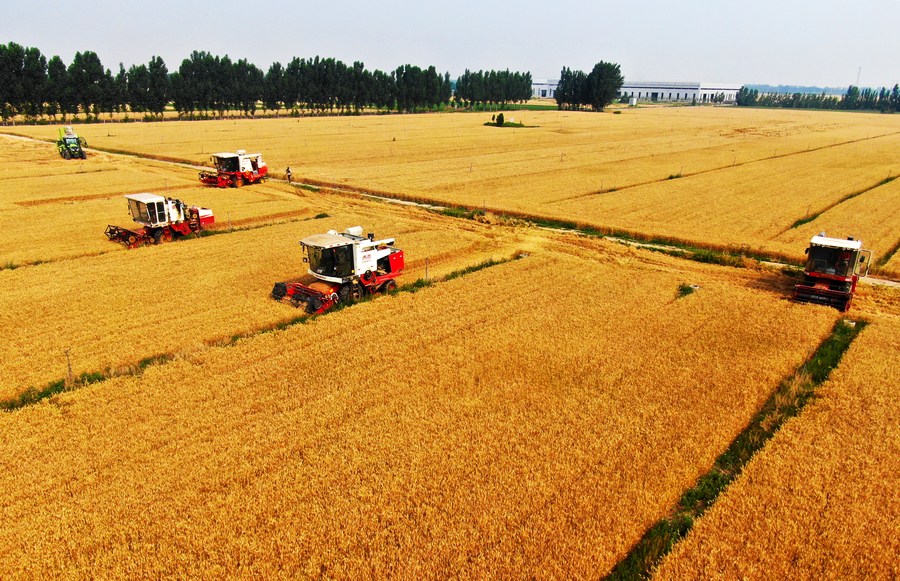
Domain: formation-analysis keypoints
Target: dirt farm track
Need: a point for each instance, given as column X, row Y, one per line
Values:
column 592, row 365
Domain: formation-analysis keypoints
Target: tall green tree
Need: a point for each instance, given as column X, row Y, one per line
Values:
column 12, row 57
column 85, row 77
column 273, row 87
column 33, row 84
column 138, row 84
column 158, row 86
column 58, row 95
column 603, row 84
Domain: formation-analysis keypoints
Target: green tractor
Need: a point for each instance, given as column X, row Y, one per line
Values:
column 70, row 146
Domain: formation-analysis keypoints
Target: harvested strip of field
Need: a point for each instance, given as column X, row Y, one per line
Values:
column 113, row 310
column 820, row 501
column 459, row 430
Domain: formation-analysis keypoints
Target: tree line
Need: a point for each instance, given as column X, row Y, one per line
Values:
column 32, row 86
column 494, row 87
column 596, row 89
column 854, row 99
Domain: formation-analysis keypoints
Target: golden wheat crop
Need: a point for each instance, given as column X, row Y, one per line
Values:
column 747, row 175
column 753, row 205
column 59, row 208
column 820, row 501
column 871, row 217
column 111, row 311
column 482, row 427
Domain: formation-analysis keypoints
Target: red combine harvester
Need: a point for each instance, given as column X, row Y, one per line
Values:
column 832, row 269
column 346, row 266
column 161, row 220
column 235, row 169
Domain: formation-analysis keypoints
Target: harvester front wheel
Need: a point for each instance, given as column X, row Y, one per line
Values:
column 239, row 181
column 158, row 237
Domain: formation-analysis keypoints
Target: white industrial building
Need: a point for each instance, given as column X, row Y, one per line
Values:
column 544, row 89
column 679, row 91
column 654, row 91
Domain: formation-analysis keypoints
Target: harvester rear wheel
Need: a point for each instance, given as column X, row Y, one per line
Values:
column 389, row 286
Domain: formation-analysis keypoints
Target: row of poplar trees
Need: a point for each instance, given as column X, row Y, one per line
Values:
column 31, row 86
column 883, row 99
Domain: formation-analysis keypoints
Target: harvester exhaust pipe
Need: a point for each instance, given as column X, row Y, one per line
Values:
column 371, row 237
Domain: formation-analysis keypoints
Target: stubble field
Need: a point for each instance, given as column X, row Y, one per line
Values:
column 534, row 417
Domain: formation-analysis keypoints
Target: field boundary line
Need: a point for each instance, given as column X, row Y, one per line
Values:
column 34, row 395
column 786, row 401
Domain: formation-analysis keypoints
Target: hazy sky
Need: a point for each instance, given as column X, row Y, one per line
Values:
column 801, row 42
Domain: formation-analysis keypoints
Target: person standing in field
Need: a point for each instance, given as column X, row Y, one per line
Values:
column 288, row 174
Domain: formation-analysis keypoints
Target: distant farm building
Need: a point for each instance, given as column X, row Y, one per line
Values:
column 655, row 91
column 544, row 89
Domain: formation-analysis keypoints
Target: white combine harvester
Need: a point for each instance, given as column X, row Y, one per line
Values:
column 345, row 266
column 161, row 220
column 235, row 169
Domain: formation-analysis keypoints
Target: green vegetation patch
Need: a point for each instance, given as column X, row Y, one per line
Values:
column 786, row 401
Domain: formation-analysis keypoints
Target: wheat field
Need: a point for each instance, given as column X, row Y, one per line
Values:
column 113, row 310
column 531, row 418
column 741, row 177
column 820, row 502
column 466, row 436
column 55, row 209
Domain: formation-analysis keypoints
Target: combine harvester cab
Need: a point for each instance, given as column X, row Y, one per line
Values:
column 832, row 269
column 235, row 169
column 346, row 266
column 161, row 219
column 69, row 145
